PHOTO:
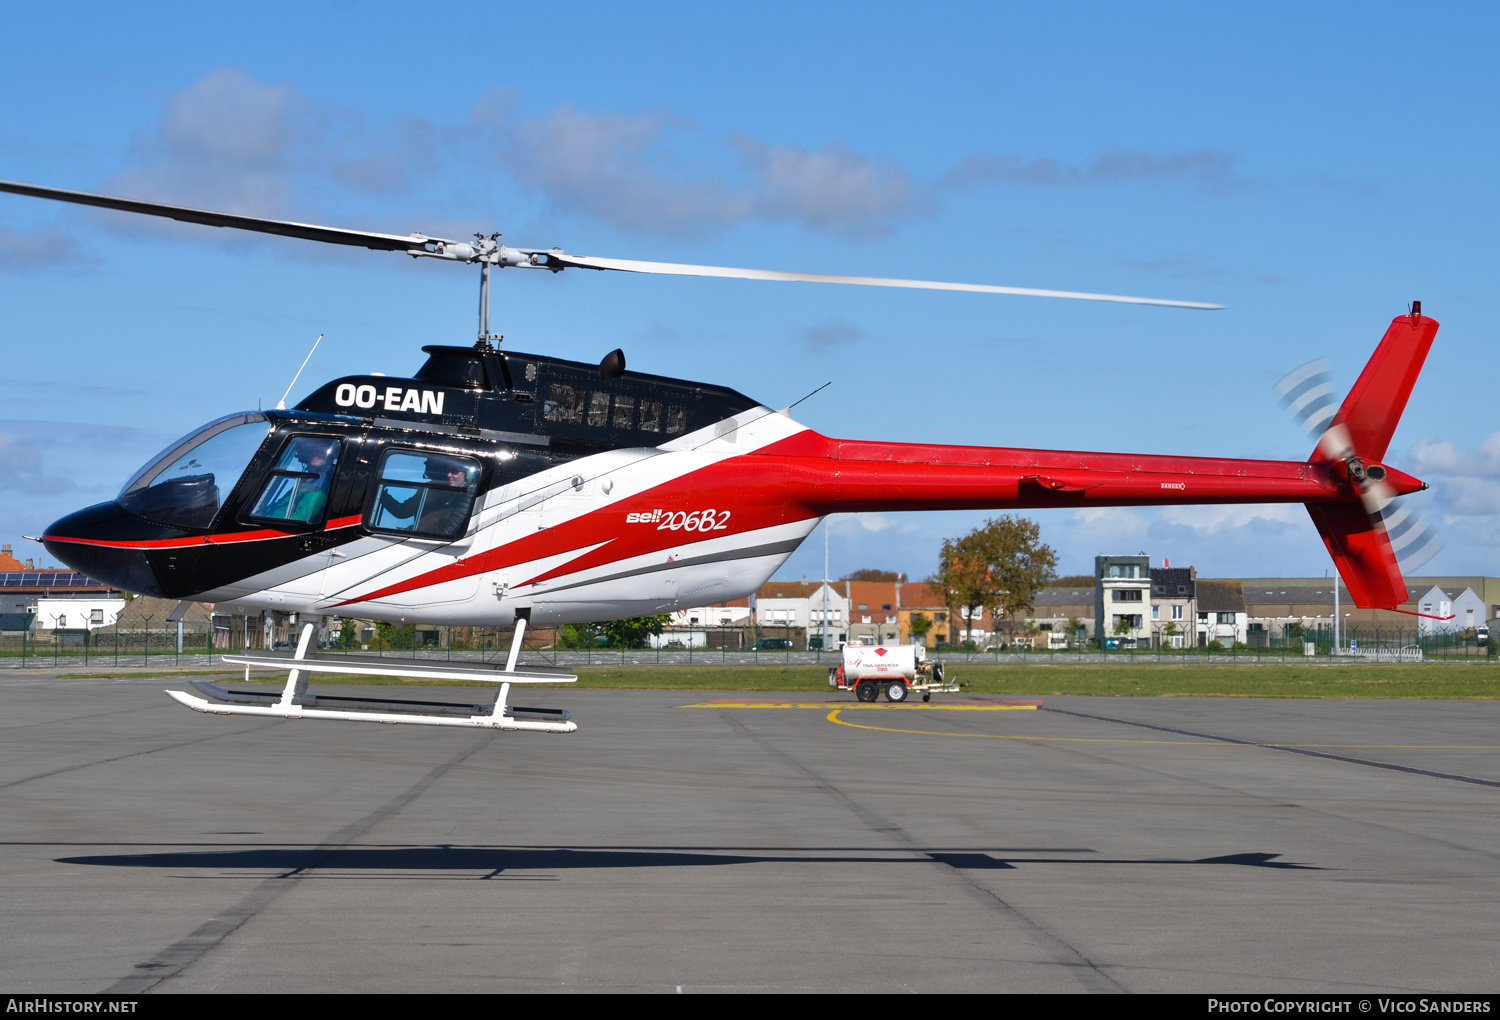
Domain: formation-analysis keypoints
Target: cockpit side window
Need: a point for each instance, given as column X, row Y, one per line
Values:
column 424, row 494
column 296, row 490
column 185, row 484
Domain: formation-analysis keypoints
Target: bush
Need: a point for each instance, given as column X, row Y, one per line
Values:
column 389, row 636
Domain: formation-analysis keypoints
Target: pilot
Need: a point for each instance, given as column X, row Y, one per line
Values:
column 311, row 495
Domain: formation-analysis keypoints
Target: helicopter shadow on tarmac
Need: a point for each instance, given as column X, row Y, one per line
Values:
column 297, row 861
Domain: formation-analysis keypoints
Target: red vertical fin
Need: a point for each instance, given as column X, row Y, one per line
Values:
column 1373, row 407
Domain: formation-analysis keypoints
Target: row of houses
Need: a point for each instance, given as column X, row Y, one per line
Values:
column 1129, row 604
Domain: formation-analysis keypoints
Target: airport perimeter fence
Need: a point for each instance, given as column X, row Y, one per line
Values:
column 125, row 647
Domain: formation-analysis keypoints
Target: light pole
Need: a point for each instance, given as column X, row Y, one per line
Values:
column 825, row 584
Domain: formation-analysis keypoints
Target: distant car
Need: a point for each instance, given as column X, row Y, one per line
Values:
column 773, row 644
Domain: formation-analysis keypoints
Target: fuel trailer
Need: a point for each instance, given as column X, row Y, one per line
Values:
column 897, row 670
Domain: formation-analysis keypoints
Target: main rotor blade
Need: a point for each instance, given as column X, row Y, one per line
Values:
column 532, row 258
column 679, row 269
column 209, row 218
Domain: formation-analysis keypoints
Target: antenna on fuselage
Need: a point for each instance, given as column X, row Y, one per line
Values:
column 281, row 404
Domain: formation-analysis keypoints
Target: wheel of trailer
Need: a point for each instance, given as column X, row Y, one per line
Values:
column 895, row 691
column 867, row 691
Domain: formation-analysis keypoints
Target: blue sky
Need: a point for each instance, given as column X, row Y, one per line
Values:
column 1314, row 171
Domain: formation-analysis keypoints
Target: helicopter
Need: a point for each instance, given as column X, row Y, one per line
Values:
column 506, row 489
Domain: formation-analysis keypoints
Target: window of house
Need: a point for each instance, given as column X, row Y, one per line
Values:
column 62, row 620
column 1156, row 612
column 422, row 493
column 1202, row 617
column 1127, row 594
column 863, row 606
column 885, row 605
column 1182, row 589
column 864, row 619
column 1226, row 617
column 939, row 617
column 1161, row 589
column 96, row 617
column 1176, row 612
column 890, row 619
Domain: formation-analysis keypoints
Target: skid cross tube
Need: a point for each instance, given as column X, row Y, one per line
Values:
column 295, row 702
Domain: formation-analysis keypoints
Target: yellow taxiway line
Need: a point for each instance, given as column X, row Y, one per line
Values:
column 883, row 708
column 833, row 717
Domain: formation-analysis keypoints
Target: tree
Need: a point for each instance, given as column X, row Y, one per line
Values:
column 999, row 567
column 1076, row 630
column 1072, row 581
column 872, row 574
column 919, row 624
column 632, row 633
column 578, row 637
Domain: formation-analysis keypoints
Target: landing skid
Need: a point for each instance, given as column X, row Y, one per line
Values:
column 294, row 701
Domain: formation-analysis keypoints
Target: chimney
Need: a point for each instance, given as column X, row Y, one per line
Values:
column 5, row 550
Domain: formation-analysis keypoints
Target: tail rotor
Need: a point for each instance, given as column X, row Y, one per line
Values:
column 1309, row 398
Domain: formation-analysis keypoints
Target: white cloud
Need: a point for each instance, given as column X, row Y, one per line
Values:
column 225, row 142
column 611, row 166
column 830, row 188
column 19, row 250
column 1465, row 481
column 1207, row 168
column 835, row 333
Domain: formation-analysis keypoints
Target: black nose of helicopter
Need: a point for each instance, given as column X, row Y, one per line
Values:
column 110, row 544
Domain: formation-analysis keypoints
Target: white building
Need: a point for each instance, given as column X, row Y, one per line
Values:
column 77, row 614
column 1466, row 608
column 1122, row 600
column 1222, row 615
column 789, row 604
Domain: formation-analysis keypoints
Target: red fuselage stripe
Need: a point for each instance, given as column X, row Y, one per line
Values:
column 808, row 475
column 263, row 535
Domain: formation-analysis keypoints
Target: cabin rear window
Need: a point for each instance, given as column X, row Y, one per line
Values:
column 624, row 412
column 563, row 403
column 598, row 409
column 676, row 420
column 424, row 494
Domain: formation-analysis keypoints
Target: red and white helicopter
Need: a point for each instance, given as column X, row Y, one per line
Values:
column 499, row 488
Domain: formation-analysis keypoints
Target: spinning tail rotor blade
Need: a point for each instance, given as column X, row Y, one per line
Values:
column 1413, row 540
column 1306, row 393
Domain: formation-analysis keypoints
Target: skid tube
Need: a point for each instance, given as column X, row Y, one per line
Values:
column 295, row 702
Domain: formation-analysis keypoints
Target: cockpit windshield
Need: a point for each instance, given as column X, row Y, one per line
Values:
column 184, row 485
